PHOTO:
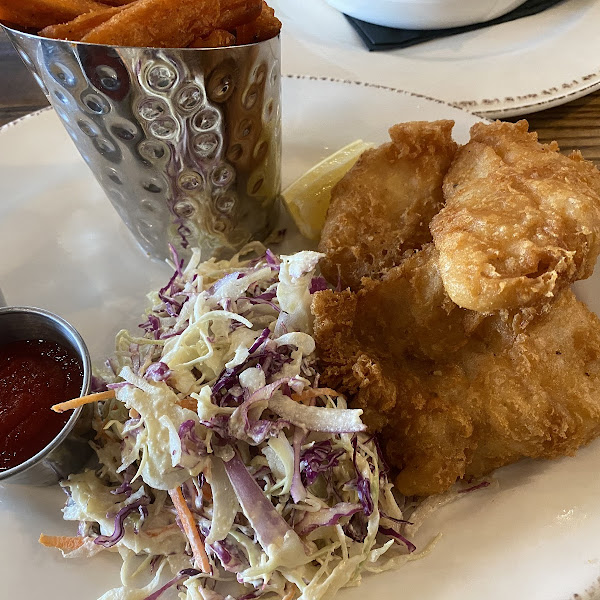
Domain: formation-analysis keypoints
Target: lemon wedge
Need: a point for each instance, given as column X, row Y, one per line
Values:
column 308, row 197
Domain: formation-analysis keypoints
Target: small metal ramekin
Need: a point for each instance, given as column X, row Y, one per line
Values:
column 70, row 449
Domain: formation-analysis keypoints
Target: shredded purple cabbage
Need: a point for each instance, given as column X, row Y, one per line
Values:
column 152, row 325
column 139, row 505
column 154, row 562
column 158, row 371
column 124, row 488
column 183, row 574
column 232, row 559
column 479, row 486
column 166, row 295
column 272, row 260
column 224, row 280
column 401, row 521
column 166, row 336
column 116, row 386
column 178, row 262
column 266, row 295
column 262, row 429
column 220, row 425
column 269, row 525
column 256, row 429
column 398, row 537
column 321, row 458
column 363, row 486
column 190, row 442
column 227, row 379
column 326, row 517
column 191, row 494
column 251, row 595
column 270, row 358
column 97, row 384
column 318, row 284
column 259, row 340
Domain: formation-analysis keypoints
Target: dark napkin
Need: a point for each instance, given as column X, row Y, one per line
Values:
column 377, row 37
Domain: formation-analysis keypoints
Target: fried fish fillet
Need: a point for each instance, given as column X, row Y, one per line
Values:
column 382, row 207
column 456, row 394
column 521, row 221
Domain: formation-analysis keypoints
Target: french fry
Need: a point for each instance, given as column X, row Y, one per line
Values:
column 219, row 38
column 77, row 28
column 9, row 18
column 234, row 13
column 146, row 23
column 41, row 13
column 265, row 27
column 157, row 24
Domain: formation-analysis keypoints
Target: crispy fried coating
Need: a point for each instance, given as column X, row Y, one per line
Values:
column 381, row 208
column 521, row 221
column 456, row 394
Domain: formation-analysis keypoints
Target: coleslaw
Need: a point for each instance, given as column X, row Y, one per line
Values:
column 224, row 469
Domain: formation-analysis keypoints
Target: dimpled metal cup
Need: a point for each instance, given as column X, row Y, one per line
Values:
column 186, row 143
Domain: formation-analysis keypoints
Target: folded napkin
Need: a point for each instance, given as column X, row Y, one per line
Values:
column 377, row 37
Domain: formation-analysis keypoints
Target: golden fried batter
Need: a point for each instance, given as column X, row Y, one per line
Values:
column 456, row 394
column 382, row 207
column 521, row 221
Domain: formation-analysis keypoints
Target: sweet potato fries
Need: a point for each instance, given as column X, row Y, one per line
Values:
column 146, row 23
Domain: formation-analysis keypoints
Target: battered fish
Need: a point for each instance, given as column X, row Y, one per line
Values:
column 382, row 208
column 521, row 221
column 456, row 394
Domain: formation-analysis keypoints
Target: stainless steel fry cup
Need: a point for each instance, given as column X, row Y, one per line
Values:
column 186, row 143
column 70, row 449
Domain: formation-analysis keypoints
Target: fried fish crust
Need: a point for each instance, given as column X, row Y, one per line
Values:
column 521, row 221
column 456, row 394
column 382, row 207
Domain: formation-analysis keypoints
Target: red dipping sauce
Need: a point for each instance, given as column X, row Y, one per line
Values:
column 34, row 375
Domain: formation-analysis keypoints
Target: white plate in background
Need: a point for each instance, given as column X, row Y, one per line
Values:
column 425, row 14
column 534, row 537
column 509, row 69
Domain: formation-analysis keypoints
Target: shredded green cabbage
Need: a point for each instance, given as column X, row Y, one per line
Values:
column 219, row 396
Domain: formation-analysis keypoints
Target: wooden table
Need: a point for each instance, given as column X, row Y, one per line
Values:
column 575, row 125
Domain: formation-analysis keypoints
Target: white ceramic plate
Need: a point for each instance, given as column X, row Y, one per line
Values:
column 64, row 248
column 509, row 69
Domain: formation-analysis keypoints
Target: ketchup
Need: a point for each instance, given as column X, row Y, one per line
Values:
column 34, row 375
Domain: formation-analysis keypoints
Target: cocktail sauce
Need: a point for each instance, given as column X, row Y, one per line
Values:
column 34, row 375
